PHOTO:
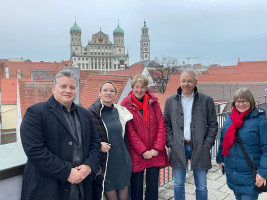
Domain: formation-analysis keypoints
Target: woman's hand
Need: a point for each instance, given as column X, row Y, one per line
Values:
column 221, row 165
column 105, row 147
column 260, row 180
column 154, row 152
column 147, row 155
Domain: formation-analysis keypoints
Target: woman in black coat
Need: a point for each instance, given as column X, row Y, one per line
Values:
column 116, row 166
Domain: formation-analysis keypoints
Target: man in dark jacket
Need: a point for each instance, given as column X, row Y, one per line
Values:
column 192, row 126
column 62, row 146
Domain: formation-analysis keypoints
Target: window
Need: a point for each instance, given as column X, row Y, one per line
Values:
column 87, row 67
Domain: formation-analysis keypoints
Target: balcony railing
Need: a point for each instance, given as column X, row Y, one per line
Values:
column 222, row 109
column 13, row 158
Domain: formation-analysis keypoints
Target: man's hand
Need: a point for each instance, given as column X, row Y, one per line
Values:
column 84, row 170
column 75, row 176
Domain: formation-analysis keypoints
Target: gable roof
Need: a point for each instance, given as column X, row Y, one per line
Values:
column 89, row 87
column 9, row 91
column 135, row 69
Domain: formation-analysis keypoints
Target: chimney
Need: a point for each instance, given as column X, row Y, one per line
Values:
column 19, row 74
column 7, row 73
column 76, row 70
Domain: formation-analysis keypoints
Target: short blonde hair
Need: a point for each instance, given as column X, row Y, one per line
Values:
column 141, row 78
column 110, row 82
column 244, row 93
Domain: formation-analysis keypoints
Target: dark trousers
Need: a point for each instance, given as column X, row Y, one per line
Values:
column 152, row 177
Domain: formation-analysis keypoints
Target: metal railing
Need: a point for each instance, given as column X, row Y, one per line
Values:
column 222, row 109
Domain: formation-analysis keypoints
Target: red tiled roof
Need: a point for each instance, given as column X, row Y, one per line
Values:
column 85, row 73
column 135, row 69
column 252, row 67
column 90, row 87
column 9, row 91
column 27, row 67
column 162, row 98
column 32, row 92
column 221, row 69
column 174, row 81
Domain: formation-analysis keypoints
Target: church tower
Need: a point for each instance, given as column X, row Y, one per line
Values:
column 118, row 39
column 144, row 44
column 75, row 40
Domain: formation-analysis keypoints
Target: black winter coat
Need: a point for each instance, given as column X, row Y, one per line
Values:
column 49, row 144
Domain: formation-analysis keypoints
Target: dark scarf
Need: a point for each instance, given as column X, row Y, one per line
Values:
column 142, row 105
column 230, row 134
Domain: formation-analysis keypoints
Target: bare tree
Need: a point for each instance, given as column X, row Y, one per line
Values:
column 161, row 71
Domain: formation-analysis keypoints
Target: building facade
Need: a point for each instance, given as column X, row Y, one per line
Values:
column 144, row 44
column 100, row 53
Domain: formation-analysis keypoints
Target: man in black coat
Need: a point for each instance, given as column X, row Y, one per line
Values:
column 62, row 146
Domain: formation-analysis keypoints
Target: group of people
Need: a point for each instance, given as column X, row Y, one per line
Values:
column 104, row 151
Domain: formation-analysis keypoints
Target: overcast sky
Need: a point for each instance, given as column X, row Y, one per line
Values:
column 215, row 31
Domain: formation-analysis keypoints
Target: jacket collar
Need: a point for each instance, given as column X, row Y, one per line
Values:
column 128, row 100
column 96, row 107
column 56, row 109
column 179, row 91
column 255, row 112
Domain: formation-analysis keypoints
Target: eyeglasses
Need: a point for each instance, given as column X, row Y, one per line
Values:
column 106, row 90
column 241, row 102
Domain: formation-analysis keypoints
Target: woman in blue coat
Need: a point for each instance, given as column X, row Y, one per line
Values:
column 251, row 125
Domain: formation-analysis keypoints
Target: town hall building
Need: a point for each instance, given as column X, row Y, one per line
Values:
column 100, row 53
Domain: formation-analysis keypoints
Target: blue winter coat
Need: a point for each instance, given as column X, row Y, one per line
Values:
column 253, row 134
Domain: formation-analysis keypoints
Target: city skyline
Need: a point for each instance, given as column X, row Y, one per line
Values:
column 217, row 32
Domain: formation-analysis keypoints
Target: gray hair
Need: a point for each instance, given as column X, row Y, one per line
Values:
column 244, row 93
column 189, row 71
column 65, row 73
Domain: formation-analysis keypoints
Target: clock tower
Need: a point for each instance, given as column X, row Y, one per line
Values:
column 144, row 44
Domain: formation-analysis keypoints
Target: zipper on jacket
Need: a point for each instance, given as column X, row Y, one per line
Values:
column 107, row 152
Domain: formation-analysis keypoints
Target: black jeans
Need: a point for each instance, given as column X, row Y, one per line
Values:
column 152, row 177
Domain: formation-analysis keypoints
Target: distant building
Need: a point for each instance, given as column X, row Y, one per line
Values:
column 144, row 44
column 100, row 53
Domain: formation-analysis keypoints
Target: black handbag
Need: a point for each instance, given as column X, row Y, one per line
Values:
column 262, row 188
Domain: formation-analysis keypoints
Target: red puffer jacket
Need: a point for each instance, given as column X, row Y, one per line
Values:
column 143, row 137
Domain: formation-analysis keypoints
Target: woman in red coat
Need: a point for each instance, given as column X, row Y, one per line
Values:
column 147, row 138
